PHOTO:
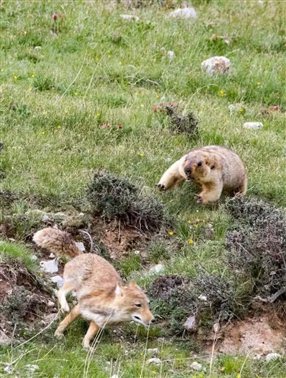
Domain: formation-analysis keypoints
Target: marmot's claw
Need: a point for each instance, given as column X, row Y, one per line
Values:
column 161, row 187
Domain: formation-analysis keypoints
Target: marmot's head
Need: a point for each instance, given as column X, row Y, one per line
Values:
column 199, row 165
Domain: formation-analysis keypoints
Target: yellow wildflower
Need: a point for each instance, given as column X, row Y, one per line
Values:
column 170, row 232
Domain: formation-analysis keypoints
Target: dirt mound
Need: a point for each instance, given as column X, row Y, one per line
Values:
column 25, row 299
column 115, row 240
column 254, row 336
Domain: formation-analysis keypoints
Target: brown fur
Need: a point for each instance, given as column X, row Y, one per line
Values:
column 214, row 168
column 102, row 297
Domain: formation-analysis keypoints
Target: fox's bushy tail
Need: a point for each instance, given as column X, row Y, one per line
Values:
column 56, row 241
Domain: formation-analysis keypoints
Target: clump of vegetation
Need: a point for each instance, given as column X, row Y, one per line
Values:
column 172, row 300
column 257, row 244
column 25, row 296
column 208, row 298
column 182, row 123
column 117, row 198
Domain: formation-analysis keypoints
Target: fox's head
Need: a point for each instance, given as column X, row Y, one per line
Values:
column 132, row 301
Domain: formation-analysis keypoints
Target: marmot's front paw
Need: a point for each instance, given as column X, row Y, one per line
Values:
column 200, row 199
column 161, row 187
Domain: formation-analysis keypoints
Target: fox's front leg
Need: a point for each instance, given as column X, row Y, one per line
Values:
column 92, row 330
column 210, row 193
column 75, row 312
column 171, row 177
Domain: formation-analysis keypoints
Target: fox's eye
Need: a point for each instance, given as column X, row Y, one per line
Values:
column 200, row 164
column 138, row 304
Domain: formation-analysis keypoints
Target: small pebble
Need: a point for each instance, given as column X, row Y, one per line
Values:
column 154, row 360
column 253, row 125
column 184, row 13
column 153, row 351
column 157, row 268
column 49, row 266
column 272, row 357
column 196, row 366
column 170, row 55
column 129, row 17
column 58, row 280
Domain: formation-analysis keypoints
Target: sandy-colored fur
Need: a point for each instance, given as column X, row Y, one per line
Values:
column 56, row 241
column 214, row 168
column 102, row 297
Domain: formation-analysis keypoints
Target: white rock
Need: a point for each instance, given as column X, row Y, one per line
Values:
column 58, row 280
column 46, row 218
column 170, row 55
column 115, row 376
column 80, row 246
column 153, row 351
column 8, row 369
column 31, row 368
column 272, row 357
column 184, row 13
column 216, row 327
column 253, row 125
column 154, row 360
column 4, row 339
column 203, row 298
column 196, row 366
column 216, row 65
column 129, row 17
column 191, row 323
column 49, row 266
column 157, row 268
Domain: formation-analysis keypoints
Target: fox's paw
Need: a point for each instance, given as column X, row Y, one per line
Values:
column 86, row 345
column 65, row 307
column 59, row 334
column 161, row 187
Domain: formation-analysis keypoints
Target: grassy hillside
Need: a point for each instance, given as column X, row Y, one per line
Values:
column 77, row 87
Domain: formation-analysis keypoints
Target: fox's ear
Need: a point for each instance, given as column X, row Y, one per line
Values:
column 118, row 290
column 132, row 284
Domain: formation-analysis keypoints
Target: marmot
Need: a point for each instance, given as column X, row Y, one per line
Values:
column 215, row 168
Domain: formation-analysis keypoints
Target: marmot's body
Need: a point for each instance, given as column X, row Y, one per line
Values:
column 215, row 168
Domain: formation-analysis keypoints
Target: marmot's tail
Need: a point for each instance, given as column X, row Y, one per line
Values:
column 56, row 241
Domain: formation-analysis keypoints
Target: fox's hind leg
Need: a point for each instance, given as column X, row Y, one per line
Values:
column 75, row 312
column 93, row 328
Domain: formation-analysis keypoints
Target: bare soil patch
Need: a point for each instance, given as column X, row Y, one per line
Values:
column 254, row 336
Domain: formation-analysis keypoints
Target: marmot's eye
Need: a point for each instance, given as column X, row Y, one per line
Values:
column 138, row 304
column 212, row 167
column 200, row 164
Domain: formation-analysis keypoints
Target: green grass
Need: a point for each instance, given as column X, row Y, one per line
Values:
column 17, row 252
column 58, row 89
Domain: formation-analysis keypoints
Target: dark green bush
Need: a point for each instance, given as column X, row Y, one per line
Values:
column 115, row 197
